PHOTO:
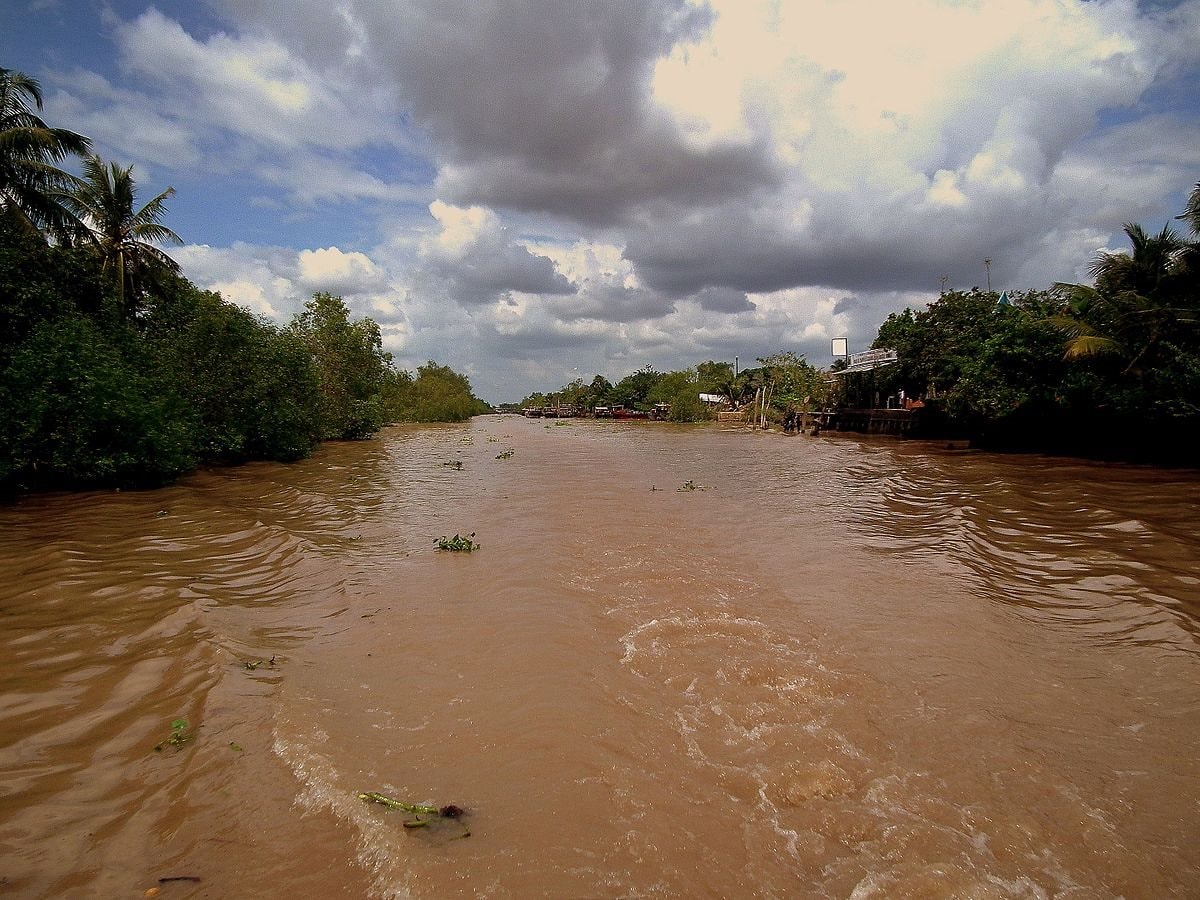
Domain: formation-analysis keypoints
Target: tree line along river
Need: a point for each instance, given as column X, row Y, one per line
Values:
column 685, row 661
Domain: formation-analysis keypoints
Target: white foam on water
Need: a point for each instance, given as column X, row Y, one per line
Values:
column 378, row 851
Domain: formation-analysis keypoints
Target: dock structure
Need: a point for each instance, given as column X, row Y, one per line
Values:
column 901, row 422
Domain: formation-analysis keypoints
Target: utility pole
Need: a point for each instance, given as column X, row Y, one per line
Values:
column 987, row 264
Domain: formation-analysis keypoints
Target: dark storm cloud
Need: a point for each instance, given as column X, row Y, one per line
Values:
column 723, row 299
column 494, row 266
column 608, row 183
column 545, row 107
column 611, row 302
column 856, row 247
column 846, row 304
column 325, row 34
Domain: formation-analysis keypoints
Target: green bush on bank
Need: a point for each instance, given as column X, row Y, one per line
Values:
column 90, row 397
column 251, row 388
column 435, row 394
column 84, row 408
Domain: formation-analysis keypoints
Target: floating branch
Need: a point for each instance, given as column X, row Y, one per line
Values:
column 419, row 809
column 454, row 464
column 424, row 814
column 507, row 454
column 690, row 485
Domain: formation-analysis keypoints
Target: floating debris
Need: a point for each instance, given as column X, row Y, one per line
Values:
column 458, row 543
column 179, row 736
column 425, row 814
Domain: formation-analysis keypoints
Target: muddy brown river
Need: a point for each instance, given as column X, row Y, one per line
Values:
column 684, row 662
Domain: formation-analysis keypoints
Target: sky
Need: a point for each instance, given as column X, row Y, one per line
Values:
column 534, row 191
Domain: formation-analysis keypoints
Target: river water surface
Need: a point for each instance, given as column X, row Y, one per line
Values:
column 685, row 662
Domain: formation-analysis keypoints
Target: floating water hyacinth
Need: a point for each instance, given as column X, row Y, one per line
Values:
column 458, row 543
column 179, row 736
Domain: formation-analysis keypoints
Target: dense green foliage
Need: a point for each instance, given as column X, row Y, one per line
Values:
column 251, row 389
column 973, row 359
column 435, row 394
column 640, row 390
column 786, row 379
column 1109, row 369
column 82, row 405
column 115, row 370
column 351, row 367
column 90, row 396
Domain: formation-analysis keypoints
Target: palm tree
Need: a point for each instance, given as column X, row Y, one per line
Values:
column 1191, row 212
column 1148, row 270
column 1189, row 263
column 105, row 200
column 1084, row 338
column 29, row 150
column 1140, row 300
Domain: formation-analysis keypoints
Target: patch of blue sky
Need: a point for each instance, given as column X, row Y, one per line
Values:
column 396, row 165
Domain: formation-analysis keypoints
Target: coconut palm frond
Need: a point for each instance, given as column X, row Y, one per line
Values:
column 1191, row 212
column 1069, row 326
column 1078, row 297
column 1084, row 346
column 29, row 150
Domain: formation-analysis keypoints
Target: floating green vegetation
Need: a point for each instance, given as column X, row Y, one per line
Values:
column 507, row 454
column 235, row 747
column 179, row 736
column 453, row 464
column 690, row 485
column 252, row 665
column 424, row 815
column 458, row 543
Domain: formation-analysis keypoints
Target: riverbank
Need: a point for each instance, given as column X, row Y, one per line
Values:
column 1172, row 443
